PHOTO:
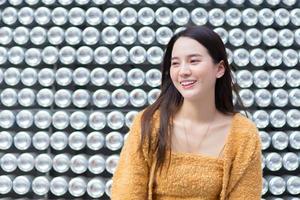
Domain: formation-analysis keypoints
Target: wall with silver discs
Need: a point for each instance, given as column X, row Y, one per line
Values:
column 73, row 74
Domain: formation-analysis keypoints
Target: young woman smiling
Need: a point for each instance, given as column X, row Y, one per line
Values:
column 191, row 143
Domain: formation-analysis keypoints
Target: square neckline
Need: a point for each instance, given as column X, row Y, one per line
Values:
column 206, row 156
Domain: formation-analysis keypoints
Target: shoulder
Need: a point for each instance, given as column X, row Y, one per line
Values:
column 245, row 132
column 137, row 132
column 245, row 126
column 139, row 121
column 140, row 114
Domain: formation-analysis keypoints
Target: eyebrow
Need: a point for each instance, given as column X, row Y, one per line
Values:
column 191, row 55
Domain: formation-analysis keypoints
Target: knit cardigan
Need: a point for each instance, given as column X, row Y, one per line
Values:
column 242, row 170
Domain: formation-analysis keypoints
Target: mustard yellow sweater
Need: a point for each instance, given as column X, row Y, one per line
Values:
column 239, row 169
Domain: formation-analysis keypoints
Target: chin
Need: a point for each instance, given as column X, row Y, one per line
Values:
column 191, row 97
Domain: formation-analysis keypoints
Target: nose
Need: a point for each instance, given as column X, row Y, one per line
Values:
column 184, row 69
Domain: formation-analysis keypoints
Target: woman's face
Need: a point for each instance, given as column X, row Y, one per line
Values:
column 192, row 70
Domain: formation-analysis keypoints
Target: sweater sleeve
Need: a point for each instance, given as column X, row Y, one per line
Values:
column 250, row 184
column 130, row 179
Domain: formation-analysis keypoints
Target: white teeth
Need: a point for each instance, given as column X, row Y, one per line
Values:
column 187, row 82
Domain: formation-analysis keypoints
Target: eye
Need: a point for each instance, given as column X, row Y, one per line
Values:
column 174, row 63
column 195, row 61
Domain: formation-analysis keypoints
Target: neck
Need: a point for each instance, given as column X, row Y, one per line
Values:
column 202, row 112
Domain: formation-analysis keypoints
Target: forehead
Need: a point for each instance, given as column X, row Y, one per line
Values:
column 185, row 46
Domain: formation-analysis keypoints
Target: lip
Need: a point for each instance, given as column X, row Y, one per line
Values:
column 186, row 80
column 188, row 86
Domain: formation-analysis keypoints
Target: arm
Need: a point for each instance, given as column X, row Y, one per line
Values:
column 249, row 186
column 130, row 180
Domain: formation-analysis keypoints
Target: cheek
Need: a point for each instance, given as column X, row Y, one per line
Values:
column 173, row 75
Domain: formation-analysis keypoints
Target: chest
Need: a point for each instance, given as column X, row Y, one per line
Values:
column 205, row 181
column 209, row 141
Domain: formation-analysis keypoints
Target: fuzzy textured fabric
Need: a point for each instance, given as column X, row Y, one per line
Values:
column 237, row 175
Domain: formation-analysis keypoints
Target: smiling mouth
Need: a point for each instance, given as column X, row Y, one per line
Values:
column 189, row 84
column 186, row 83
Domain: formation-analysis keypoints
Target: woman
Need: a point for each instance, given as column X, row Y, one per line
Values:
column 191, row 143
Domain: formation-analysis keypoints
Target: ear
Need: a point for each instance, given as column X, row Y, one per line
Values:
column 220, row 69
